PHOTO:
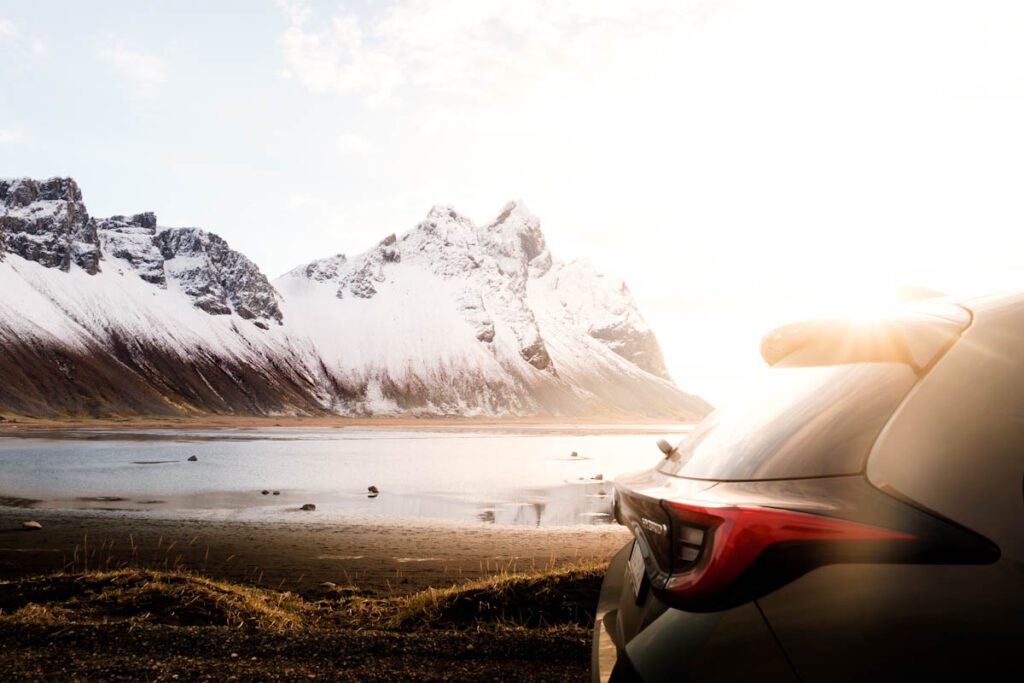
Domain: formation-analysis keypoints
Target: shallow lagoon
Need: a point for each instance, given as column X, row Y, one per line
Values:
column 520, row 476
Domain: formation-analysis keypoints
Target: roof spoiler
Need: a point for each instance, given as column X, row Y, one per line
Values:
column 916, row 335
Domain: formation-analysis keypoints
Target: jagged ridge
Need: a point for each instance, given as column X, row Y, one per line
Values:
column 118, row 315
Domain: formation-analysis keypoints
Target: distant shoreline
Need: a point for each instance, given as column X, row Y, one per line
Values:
column 613, row 422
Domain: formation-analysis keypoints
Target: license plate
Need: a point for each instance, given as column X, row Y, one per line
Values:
column 636, row 569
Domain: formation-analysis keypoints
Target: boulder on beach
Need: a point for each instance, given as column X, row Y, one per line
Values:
column 309, row 507
column 265, row 492
column 373, row 489
column 598, row 477
column 277, row 493
column 574, row 455
column 193, row 458
column 31, row 525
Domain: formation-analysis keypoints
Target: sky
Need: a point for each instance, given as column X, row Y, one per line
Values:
column 740, row 164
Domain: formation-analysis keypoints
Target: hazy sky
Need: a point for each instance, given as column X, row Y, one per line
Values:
column 737, row 162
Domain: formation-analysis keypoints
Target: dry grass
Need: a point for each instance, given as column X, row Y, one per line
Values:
column 147, row 596
column 523, row 600
column 544, row 599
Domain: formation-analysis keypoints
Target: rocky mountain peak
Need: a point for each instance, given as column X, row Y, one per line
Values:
column 324, row 269
column 20, row 192
column 219, row 280
column 145, row 221
column 133, row 239
column 46, row 221
column 515, row 237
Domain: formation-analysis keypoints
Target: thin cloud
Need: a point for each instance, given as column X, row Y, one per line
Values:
column 8, row 29
column 11, row 136
column 145, row 73
column 467, row 49
column 12, row 34
column 353, row 145
column 337, row 58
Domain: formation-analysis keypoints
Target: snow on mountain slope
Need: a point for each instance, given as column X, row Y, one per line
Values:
column 129, row 332
column 119, row 316
column 454, row 317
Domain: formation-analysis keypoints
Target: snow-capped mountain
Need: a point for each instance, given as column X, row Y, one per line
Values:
column 121, row 316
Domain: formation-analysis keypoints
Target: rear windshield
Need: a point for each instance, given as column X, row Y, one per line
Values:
column 795, row 422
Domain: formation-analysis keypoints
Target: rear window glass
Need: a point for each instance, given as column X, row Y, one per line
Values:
column 795, row 422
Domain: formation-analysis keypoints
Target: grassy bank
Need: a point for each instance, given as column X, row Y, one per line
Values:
column 132, row 624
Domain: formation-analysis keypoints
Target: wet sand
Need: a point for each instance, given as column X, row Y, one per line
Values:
column 381, row 556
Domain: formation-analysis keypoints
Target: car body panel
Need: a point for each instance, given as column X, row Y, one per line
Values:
column 884, row 622
column 651, row 642
column 956, row 445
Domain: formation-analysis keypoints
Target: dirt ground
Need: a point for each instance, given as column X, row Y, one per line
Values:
column 136, row 625
column 388, row 556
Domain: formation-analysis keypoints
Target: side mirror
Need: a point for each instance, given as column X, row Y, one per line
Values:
column 665, row 447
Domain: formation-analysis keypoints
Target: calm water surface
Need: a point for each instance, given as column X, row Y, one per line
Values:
column 528, row 477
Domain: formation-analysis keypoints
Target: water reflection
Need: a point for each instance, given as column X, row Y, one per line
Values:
column 523, row 479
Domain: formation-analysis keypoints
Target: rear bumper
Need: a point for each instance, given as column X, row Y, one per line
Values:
column 651, row 642
column 605, row 650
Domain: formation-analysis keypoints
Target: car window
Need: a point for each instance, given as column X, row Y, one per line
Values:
column 795, row 422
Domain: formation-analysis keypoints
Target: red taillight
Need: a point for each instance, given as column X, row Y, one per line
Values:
column 713, row 546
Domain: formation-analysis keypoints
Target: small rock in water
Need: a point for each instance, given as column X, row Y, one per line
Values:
column 193, row 458
column 575, row 454
column 309, row 507
column 265, row 492
column 277, row 493
column 373, row 489
column 31, row 525
column 598, row 477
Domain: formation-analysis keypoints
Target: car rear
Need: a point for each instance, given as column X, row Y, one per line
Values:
column 769, row 489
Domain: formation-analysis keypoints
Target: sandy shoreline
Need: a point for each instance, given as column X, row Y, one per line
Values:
column 607, row 424
column 382, row 556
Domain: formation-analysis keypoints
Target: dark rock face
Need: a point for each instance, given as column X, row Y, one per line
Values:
column 326, row 269
column 639, row 347
column 133, row 240
column 219, row 280
column 517, row 236
column 536, row 355
column 359, row 281
column 46, row 222
column 498, row 260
